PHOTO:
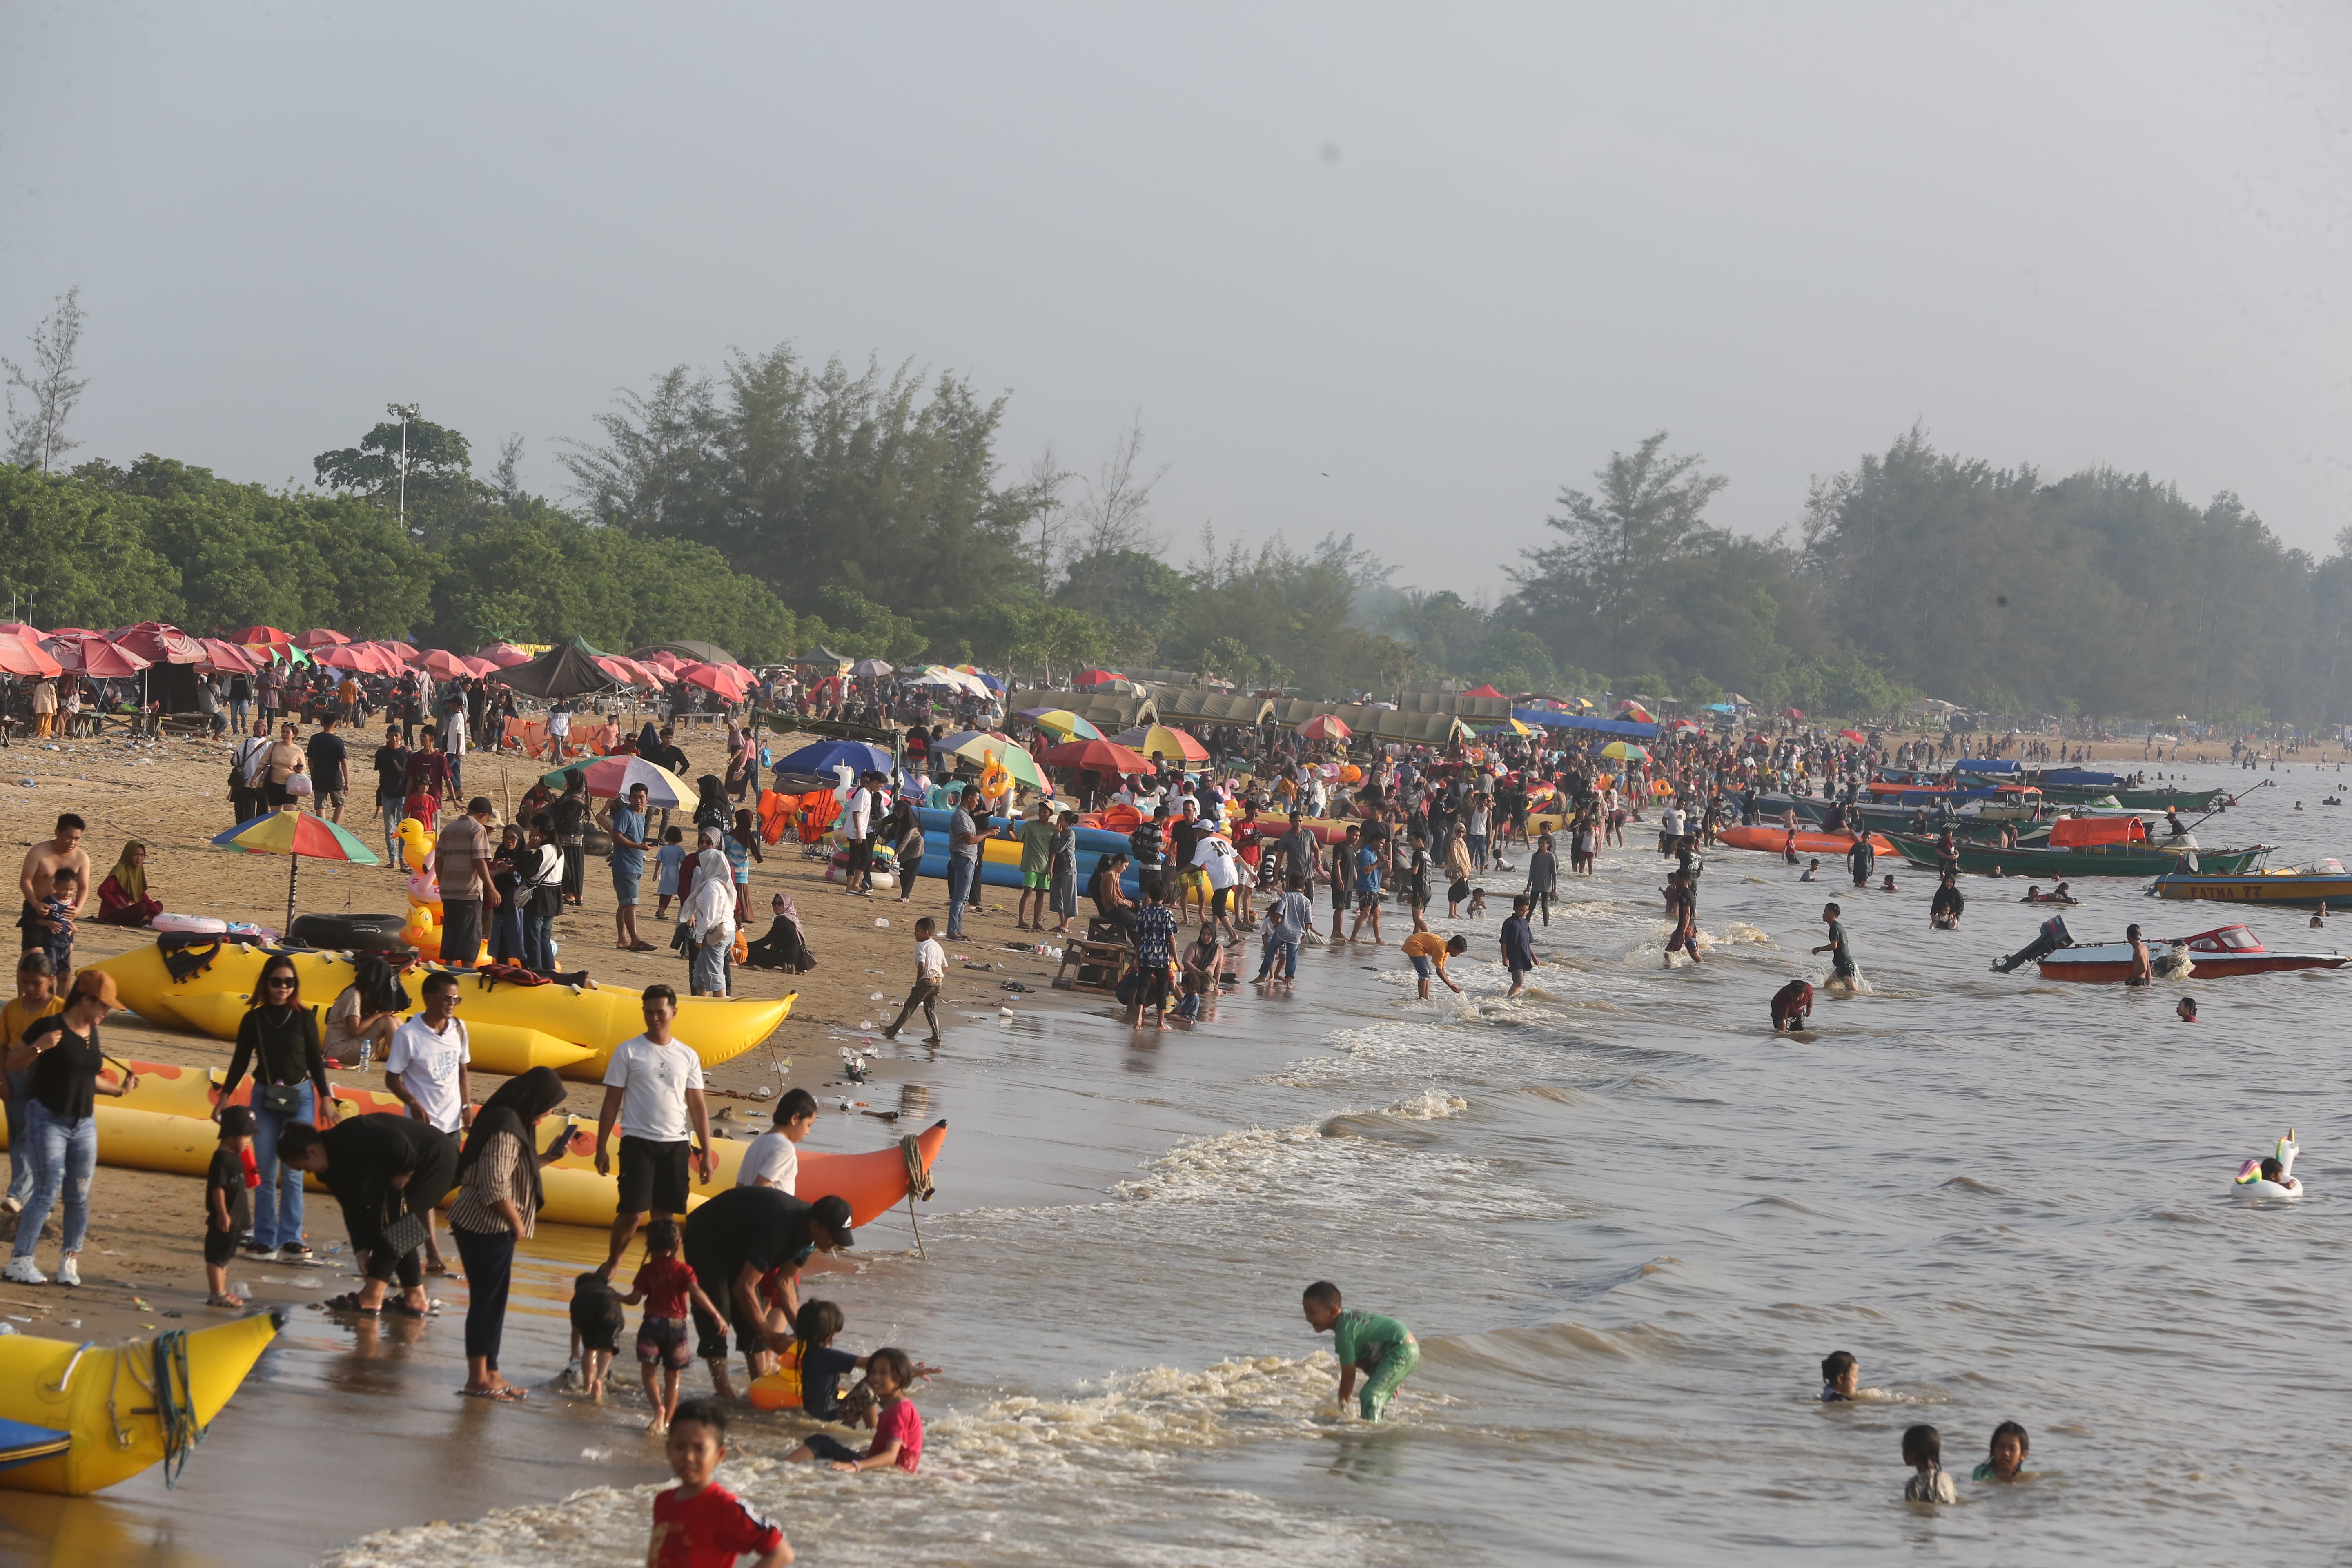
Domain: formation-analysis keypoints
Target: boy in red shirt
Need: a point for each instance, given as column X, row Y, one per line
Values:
column 699, row 1524
column 665, row 1283
column 898, row 1426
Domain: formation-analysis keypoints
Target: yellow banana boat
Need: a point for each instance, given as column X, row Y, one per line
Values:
column 514, row 1027
column 82, row 1418
column 873, row 1183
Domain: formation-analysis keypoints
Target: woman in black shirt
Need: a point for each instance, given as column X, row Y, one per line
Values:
column 61, row 1122
column 278, row 1038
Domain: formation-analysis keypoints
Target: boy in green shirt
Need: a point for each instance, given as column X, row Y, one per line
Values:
column 1036, row 864
column 1382, row 1347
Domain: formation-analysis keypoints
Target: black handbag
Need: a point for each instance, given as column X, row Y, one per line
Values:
column 405, row 1234
column 278, row 1098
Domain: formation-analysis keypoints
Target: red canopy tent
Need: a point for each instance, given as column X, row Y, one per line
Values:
column 504, row 654
column 443, row 665
column 729, row 681
column 159, row 642
column 252, row 636
column 225, row 658
column 1103, row 756
column 1324, row 727
column 92, row 655
column 1087, row 677
column 1482, row 690
column 23, row 656
column 321, row 637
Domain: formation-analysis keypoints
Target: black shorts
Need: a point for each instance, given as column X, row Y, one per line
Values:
column 461, row 929
column 220, row 1246
column 653, row 1176
column 1368, row 897
column 1342, row 898
column 861, row 856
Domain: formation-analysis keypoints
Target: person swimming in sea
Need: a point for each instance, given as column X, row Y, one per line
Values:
column 1841, row 1377
column 1843, row 972
column 1792, row 1005
column 2007, row 1460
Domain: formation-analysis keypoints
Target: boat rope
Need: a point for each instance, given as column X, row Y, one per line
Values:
column 57, row 1389
column 174, row 1407
column 919, row 1185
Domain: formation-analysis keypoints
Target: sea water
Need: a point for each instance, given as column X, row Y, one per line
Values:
column 1626, row 1222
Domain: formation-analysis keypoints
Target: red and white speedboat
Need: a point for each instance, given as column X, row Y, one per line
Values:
column 2226, row 950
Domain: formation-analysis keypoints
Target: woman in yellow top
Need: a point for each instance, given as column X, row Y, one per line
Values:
column 36, row 998
column 1429, row 953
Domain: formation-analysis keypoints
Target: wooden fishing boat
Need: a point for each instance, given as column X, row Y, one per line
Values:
column 2322, row 882
column 2083, row 846
column 2213, row 954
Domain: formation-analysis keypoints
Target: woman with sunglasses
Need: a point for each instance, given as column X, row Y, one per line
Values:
column 278, row 1038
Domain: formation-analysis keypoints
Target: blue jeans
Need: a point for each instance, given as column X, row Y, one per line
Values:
column 22, row 1161
column 68, row 1154
column 278, row 1202
column 1477, row 843
column 1283, row 955
column 537, row 941
column 237, row 714
column 394, row 807
column 963, row 871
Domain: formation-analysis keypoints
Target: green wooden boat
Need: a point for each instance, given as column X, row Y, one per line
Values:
column 2172, row 799
column 2136, row 859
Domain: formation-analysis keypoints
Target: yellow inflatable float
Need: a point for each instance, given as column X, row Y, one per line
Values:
column 75, row 1419
column 571, row 1028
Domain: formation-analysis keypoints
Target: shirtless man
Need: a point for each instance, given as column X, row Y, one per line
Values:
column 42, row 864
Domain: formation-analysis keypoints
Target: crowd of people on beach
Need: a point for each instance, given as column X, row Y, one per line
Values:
column 1236, row 846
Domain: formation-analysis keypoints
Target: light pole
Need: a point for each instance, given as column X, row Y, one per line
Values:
column 404, row 412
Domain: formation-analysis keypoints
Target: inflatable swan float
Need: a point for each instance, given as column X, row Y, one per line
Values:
column 2253, row 1182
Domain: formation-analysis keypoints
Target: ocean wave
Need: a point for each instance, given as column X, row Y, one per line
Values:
column 1092, row 1472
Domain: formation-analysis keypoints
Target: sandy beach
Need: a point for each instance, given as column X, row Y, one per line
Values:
column 143, row 1262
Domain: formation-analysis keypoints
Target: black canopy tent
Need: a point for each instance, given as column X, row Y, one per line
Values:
column 567, row 669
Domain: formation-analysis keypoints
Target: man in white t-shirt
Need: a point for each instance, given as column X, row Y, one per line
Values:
column 857, row 820
column 425, row 1066
column 654, row 1087
column 773, row 1159
column 1218, row 860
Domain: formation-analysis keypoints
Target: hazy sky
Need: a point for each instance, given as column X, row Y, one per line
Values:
column 1399, row 270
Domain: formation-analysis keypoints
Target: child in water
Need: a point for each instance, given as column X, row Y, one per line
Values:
column 1790, row 1005
column 2186, row 1010
column 898, row 1426
column 698, row 1522
column 1382, row 1347
column 665, row 1341
column 2007, row 1462
column 597, row 1321
column 1813, row 873
column 1841, row 1377
column 1923, row 1450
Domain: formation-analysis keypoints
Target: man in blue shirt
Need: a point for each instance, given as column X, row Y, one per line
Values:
column 630, row 841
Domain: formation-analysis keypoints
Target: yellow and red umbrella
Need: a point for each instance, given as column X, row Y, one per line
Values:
column 297, row 835
column 1160, row 741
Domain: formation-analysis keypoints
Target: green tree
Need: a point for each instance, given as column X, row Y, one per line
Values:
column 1648, row 510
column 72, row 554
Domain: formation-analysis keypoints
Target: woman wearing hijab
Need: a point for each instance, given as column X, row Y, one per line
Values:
column 786, row 944
column 741, row 767
column 711, row 810
column 903, row 831
column 122, row 897
column 497, row 1203
column 705, row 918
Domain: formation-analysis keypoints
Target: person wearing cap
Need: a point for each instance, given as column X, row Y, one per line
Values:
column 381, row 1168
column 65, row 1063
column 735, row 1238
column 229, row 1210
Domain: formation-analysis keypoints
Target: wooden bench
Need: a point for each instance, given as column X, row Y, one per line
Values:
column 1099, row 958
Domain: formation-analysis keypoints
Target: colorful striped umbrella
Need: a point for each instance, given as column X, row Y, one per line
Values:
column 609, row 778
column 1062, row 722
column 975, row 746
column 1625, row 752
column 296, row 833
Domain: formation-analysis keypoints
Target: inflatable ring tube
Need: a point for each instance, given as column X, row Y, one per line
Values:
column 347, row 932
column 2258, row 1189
column 194, row 925
column 114, row 1435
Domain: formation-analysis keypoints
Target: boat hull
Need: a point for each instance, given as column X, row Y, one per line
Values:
column 2109, row 963
column 1775, row 839
column 68, row 1389
column 2088, row 860
column 2284, row 888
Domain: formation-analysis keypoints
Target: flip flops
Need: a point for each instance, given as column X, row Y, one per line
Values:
column 349, row 1302
column 505, row 1394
